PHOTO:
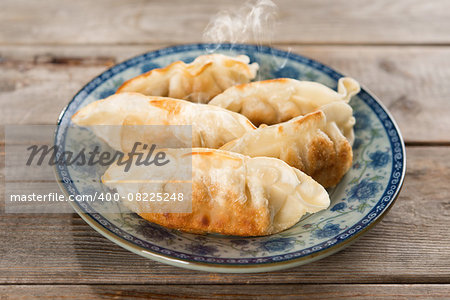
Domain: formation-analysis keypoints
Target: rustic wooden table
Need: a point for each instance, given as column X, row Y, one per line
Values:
column 399, row 49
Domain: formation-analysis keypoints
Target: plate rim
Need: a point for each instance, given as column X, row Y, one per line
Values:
column 247, row 267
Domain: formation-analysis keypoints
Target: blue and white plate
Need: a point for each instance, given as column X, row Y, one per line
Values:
column 358, row 202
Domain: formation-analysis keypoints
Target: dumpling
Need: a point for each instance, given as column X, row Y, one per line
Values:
column 212, row 126
column 342, row 115
column 232, row 194
column 312, row 143
column 198, row 81
column 278, row 100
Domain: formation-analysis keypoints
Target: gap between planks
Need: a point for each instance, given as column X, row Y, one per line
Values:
column 190, row 291
column 388, row 283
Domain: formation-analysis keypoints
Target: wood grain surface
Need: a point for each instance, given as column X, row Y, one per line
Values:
column 412, row 82
column 410, row 245
column 83, row 22
column 280, row 291
column 400, row 50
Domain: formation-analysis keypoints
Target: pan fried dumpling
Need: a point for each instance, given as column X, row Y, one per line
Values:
column 198, row 81
column 278, row 100
column 212, row 126
column 232, row 194
column 312, row 143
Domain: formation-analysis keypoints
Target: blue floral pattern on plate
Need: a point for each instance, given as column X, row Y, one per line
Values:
column 360, row 199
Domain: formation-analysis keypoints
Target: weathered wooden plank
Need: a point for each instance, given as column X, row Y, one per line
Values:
column 138, row 21
column 281, row 291
column 410, row 245
column 37, row 82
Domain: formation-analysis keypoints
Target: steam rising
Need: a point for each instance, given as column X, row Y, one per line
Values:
column 254, row 22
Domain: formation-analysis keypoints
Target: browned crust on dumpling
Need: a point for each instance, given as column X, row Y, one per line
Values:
column 244, row 85
column 326, row 161
column 292, row 158
column 147, row 74
column 191, row 71
column 228, row 215
column 185, row 69
column 171, row 106
column 329, row 162
column 322, row 158
column 234, row 218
